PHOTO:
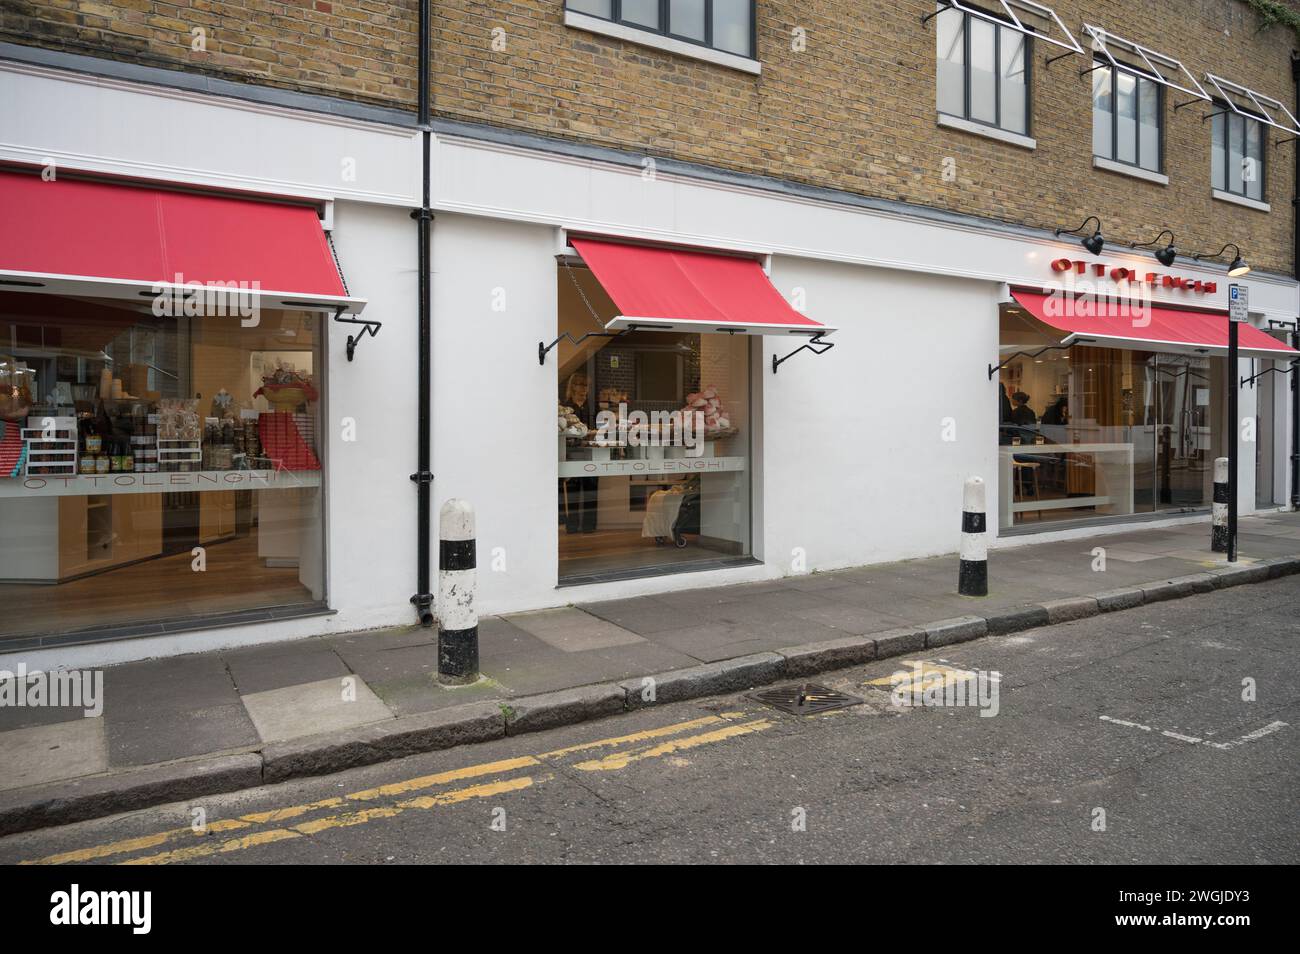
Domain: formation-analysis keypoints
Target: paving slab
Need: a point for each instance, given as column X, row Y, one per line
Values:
column 851, row 619
column 277, row 666
column 179, row 734
column 313, row 708
column 422, row 692
column 139, row 689
column 571, row 630
column 387, row 665
column 643, row 615
column 50, row 753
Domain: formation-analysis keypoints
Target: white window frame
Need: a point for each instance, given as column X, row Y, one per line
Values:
column 965, row 121
column 660, row 37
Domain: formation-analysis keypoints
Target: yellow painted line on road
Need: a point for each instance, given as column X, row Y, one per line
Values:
column 397, row 789
column 487, row 790
column 921, row 675
column 637, row 736
column 128, row 845
column 347, row 820
column 202, row 851
column 441, row 778
column 293, row 811
column 619, row 760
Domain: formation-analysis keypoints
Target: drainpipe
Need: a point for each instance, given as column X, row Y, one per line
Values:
column 1295, row 334
column 423, row 477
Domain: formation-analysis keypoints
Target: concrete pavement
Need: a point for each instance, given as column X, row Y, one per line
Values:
column 192, row 725
column 1120, row 738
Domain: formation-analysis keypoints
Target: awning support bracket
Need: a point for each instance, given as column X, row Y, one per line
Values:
column 369, row 328
column 1291, row 366
column 543, row 349
column 994, row 369
column 815, row 344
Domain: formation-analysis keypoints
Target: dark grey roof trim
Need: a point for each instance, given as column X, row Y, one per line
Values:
column 267, row 95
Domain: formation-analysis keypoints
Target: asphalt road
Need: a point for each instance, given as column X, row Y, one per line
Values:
column 1138, row 714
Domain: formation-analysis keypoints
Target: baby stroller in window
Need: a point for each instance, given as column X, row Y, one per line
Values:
column 688, row 516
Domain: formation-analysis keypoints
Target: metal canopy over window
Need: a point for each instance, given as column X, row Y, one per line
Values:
column 1246, row 102
column 1025, row 16
column 1159, row 68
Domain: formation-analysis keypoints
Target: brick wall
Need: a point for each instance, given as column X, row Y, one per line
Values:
column 855, row 110
column 357, row 50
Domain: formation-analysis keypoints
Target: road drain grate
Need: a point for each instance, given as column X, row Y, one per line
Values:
column 805, row 698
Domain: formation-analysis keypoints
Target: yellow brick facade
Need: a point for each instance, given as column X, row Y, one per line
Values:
column 854, row 109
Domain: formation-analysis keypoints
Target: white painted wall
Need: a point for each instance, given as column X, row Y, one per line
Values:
column 856, row 470
column 848, row 459
column 493, row 405
column 371, row 499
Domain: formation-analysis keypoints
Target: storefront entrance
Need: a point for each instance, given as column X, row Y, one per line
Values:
column 654, row 438
column 1091, row 432
column 162, row 468
column 656, row 364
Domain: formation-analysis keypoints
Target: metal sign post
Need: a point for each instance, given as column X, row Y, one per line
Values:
column 1238, row 311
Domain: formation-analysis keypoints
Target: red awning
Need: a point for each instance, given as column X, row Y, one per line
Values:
column 101, row 239
column 664, row 289
column 1144, row 327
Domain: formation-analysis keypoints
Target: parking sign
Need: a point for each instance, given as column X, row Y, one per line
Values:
column 1238, row 303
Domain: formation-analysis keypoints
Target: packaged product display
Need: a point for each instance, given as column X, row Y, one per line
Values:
column 129, row 439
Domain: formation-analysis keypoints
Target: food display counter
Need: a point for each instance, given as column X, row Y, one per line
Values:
column 1098, row 475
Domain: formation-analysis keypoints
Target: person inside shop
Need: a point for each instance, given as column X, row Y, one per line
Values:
column 1023, row 414
column 1058, row 413
column 1004, row 404
column 580, row 492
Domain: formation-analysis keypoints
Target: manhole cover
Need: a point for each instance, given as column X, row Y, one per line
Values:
column 805, row 698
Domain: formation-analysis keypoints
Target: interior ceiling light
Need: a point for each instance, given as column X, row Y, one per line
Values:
column 1236, row 268
column 1094, row 242
column 1165, row 256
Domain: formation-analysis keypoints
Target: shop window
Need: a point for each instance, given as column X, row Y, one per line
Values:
column 726, row 25
column 155, row 469
column 1091, row 432
column 1127, row 117
column 1237, row 154
column 983, row 71
column 653, row 438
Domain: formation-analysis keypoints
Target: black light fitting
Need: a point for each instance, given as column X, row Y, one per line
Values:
column 1165, row 256
column 1094, row 242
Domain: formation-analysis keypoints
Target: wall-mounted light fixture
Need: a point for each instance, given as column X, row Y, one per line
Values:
column 1094, row 242
column 1165, row 256
column 1236, row 267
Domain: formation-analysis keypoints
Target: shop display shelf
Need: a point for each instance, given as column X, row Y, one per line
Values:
column 50, row 456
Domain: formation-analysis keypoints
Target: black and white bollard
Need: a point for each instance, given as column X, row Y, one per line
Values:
column 457, row 618
column 973, row 576
column 1219, row 520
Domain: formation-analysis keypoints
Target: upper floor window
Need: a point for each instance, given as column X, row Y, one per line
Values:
column 726, row 25
column 1127, row 111
column 983, row 73
column 1237, row 154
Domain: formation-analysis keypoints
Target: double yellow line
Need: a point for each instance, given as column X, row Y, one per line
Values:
column 398, row 797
